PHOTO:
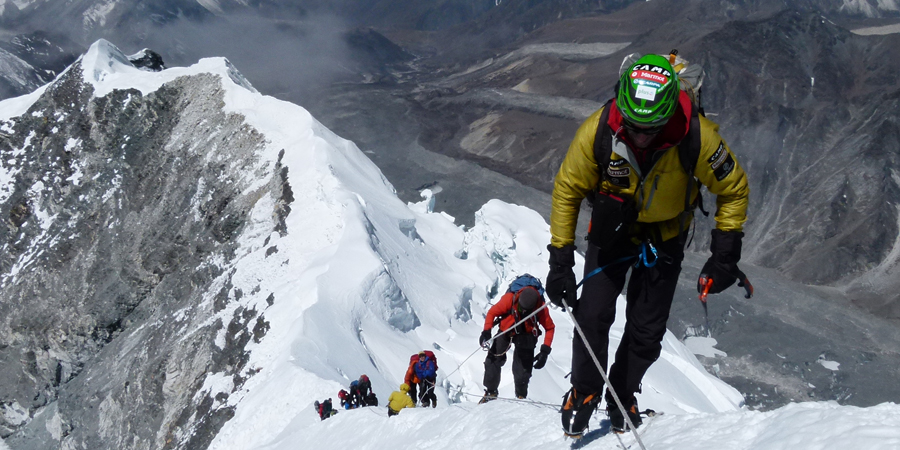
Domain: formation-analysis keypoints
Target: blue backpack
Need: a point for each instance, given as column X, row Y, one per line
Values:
column 525, row 280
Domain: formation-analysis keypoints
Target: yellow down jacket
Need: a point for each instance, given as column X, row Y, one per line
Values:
column 660, row 193
column 400, row 399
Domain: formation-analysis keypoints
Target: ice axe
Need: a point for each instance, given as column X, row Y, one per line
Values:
column 706, row 284
column 744, row 282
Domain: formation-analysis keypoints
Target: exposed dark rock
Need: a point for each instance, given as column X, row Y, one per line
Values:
column 147, row 59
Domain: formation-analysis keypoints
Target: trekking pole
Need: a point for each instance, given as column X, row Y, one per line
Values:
column 603, row 374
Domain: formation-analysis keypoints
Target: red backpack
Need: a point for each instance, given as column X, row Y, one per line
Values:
column 428, row 353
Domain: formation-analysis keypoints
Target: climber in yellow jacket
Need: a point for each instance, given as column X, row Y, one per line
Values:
column 399, row 400
column 639, row 160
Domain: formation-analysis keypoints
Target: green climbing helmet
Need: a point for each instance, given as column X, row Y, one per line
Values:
column 648, row 91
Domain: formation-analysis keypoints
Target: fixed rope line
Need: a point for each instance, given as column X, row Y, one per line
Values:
column 430, row 387
column 603, row 374
column 519, row 400
column 447, row 377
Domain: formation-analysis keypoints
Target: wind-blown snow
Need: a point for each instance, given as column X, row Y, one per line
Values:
column 360, row 281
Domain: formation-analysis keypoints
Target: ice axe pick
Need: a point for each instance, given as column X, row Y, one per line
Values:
column 706, row 283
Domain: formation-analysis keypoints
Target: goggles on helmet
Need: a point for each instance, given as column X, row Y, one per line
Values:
column 642, row 129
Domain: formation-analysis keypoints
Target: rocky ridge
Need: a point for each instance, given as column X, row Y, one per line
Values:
column 124, row 212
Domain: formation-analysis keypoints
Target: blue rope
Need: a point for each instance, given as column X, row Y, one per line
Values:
column 641, row 258
column 600, row 269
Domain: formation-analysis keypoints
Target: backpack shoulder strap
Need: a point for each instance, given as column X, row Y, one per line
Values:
column 603, row 142
column 688, row 154
column 689, row 147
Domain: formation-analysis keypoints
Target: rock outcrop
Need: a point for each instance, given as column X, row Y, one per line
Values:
column 122, row 210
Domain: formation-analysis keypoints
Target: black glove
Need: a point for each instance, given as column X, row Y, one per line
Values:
column 541, row 357
column 561, row 283
column 485, row 336
column 721, row 268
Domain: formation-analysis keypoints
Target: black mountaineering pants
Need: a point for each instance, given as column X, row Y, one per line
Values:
column 523, row 361
column 648, row 300
column 426, row 392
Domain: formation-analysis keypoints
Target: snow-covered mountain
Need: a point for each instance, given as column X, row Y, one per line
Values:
column 16, row 75
column 869, row 8
column 190, row 264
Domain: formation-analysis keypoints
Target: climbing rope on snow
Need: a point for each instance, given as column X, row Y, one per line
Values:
column 372, row 409
column 447, row 377
column 517, row 400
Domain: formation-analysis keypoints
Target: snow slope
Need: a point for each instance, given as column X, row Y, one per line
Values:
column 360, row 281
column 499, row 425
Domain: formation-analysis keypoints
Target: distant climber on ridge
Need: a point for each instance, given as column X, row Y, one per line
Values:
column 344, row 396
column 324, row 409
column 355, row 398
column 366, row 396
